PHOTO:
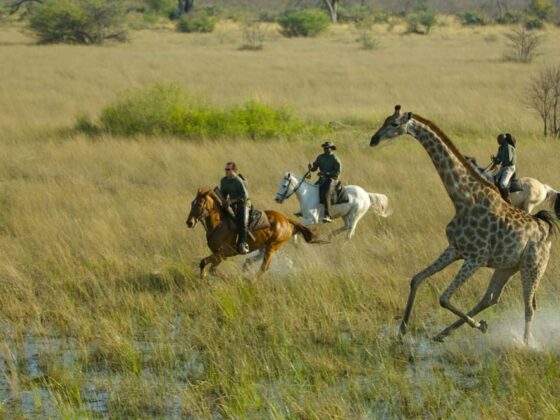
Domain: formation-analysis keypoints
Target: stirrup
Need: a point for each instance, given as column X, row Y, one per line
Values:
column 243, row 248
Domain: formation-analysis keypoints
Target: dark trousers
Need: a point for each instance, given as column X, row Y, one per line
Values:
column 242, row 221
column 326, row 187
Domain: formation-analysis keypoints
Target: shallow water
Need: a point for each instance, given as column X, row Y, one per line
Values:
column 26, row 392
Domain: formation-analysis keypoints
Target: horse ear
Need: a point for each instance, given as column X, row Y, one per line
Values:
column 408, row 116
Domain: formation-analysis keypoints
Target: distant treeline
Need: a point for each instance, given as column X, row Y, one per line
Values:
column 491, row 7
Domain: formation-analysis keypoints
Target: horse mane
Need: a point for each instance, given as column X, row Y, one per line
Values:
column 454, row 150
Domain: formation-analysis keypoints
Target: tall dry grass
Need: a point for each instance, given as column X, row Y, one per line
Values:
column 101, row 308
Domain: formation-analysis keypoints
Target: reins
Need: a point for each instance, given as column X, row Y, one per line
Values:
column 285, row 195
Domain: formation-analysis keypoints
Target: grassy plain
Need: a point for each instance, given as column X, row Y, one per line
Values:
column 101, row 309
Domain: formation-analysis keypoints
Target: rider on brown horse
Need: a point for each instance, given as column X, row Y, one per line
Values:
column 233, row 189
column 329, row 170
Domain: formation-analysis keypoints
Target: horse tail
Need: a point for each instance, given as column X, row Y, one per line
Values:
column 380, row 204
column 307, row 233
column 554, row 198
column 550, row 220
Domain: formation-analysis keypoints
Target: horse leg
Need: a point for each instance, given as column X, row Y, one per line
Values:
column 268, row 251
column 213, row 260
column 251, row 260
column 354, row 221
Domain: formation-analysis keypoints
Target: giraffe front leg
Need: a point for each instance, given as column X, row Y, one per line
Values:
column 448, row 256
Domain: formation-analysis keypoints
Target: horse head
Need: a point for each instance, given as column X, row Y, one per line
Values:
column 286, row 187
column 201, row 206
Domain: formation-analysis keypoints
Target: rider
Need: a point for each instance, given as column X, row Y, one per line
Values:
column 329, row 170
column 233, row 189
column 507, row 159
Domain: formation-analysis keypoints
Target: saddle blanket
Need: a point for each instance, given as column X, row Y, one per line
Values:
column 258, row 220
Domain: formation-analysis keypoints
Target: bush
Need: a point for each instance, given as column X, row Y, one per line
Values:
column 542, row 9
column 420, row 22
column 508, row 18
column 78, row 21
column 252, row 36
column 472, row 19
column 162, row 7
column 368, row 40
column 533, row 22
column 196, row 22
column 308, row 23
column 167, row 110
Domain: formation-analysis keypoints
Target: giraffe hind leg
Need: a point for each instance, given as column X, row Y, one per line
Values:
column 491, row 297
column 466, row 271
column 533, row 267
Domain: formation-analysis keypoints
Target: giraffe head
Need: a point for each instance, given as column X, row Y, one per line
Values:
column 394, row 126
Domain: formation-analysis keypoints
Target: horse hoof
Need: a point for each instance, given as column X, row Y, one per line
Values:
column 483, row 326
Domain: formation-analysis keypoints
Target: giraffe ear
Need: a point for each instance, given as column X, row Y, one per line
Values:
column 408, row 116
column 397, row 109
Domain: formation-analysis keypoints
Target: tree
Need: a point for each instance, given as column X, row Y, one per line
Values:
column 184, row 6
column 543, row 96
column 78, row 21
column 524, row 45
column 22, row 5
column 541, row 8
column 332, row 5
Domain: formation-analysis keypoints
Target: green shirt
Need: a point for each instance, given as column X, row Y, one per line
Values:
column 506, row 155
column 328, row 165
column 234, row 188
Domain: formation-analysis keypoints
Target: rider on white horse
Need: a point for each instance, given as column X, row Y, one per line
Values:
column 329, row 170
column 507, row 159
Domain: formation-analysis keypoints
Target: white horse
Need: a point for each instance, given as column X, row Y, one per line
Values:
column 359, row 201
column 532, row 194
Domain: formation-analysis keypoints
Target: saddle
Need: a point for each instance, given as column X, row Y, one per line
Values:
column 514, row 184
column 340, row 195
column 257, row 220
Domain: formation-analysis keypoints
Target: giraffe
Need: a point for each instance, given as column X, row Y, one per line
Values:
column 485, row 231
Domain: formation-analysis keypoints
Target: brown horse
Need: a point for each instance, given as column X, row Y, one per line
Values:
column 221, row 238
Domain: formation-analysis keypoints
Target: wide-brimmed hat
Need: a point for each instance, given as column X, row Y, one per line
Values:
column 328, row 144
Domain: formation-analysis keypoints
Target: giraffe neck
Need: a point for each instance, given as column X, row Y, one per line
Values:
column 459, row 179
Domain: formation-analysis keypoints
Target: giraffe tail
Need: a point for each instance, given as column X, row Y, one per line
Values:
column 550, row 219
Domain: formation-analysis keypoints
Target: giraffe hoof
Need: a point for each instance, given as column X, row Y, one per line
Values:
column 402, row 329
column 439, row 338
column 483, row 326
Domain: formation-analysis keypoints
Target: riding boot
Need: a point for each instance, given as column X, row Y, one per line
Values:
column 327, row 215
column 504, row 192
column 243, row 226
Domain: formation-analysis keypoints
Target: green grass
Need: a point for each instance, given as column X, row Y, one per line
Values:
column 101, row 308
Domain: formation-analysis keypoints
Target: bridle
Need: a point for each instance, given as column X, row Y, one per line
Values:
column 202, row 217
column 286, row 194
